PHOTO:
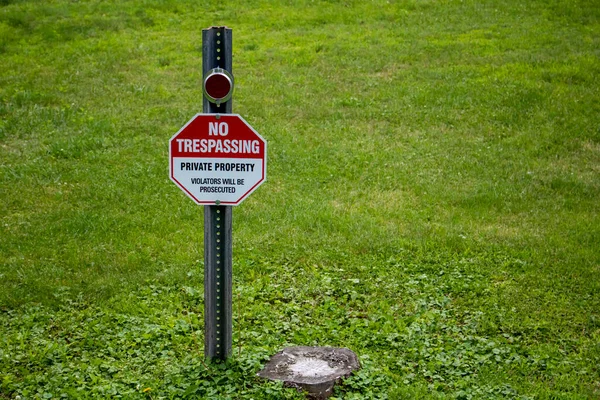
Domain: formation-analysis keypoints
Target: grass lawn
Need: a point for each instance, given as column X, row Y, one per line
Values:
column 432, row 200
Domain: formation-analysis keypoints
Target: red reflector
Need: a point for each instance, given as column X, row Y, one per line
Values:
column 217, row 86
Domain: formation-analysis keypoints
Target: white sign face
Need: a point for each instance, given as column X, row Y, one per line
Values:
column 217, row 159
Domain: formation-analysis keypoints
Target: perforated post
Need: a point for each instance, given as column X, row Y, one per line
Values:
column 216, row 53
column 217, row 281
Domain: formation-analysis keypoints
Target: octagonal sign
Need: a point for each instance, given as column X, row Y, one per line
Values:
column 217, row 159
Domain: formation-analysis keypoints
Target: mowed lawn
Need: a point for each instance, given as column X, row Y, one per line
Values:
column 432, row 198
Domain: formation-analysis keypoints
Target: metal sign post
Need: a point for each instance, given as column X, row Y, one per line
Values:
column 217, row 54
column 218, row 160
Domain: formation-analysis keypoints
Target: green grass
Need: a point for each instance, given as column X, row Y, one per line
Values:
column 431, row 203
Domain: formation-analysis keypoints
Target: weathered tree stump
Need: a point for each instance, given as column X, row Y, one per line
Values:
column 313, row 369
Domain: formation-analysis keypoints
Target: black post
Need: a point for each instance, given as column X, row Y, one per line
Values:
column 216, row 52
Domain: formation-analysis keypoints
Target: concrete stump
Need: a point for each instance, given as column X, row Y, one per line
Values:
column 313, row 369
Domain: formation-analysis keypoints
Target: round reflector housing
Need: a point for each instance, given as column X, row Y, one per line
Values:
column 218, row 85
